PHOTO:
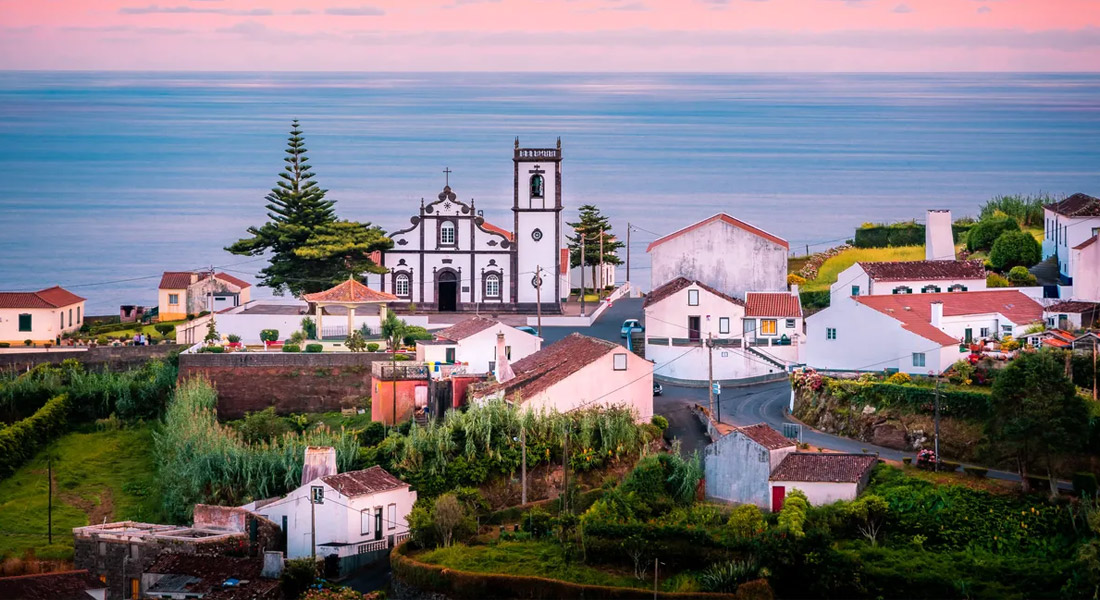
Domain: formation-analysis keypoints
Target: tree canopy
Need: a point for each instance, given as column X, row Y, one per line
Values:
column 592, row 225
column 310, row 248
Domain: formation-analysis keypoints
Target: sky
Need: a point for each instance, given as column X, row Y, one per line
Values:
column 551, row 35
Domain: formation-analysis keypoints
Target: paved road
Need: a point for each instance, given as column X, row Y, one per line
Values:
column 607, row 326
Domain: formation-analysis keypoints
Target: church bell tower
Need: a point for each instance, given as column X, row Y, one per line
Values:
column 538, row 228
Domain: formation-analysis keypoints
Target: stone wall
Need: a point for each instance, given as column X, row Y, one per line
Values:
column 115, row 358
column 291, row 382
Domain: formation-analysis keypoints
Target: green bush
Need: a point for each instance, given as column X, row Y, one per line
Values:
column 164, row 328
column 985, row 232
column 262, row 426
column 976, row 472
column 1025, row 209
column 412, row 333
column 995, row 280
column 291, row 348
column 212, row 349
column 1020, row 277
column 907, row 460
column 792, row 516
column 372, row 347
column 269, row 335
column 309, row 328
column 21, row 440
column 725, row 577
column 401, row 357
column 1084, row 483
column 746, row 521
column 913, row 398
column 298, row 575
column 814, row 300
column 894, row 234
column 314, row 347
column 233, row 338
column 660, row 422
column 1015, row 248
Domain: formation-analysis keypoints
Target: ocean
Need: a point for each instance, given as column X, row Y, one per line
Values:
column 116, row 177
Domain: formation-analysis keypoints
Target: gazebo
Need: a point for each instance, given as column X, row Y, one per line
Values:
column 350, row 294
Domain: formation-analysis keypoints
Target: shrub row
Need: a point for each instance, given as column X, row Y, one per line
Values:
column 901, row 234
column 20, row 441
column 955, row 403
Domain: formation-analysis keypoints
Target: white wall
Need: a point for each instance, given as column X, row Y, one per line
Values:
column 544, row 253
column 45, row 323
column 725, row 257
column 1062, row 234
column 820, row 492
column 608, row 276
column 481, row 348
column 599, row 384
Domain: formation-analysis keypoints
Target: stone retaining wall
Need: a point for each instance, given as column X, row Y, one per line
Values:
column 115, row 358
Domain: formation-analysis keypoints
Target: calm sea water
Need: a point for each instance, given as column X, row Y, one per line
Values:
column 119, row 176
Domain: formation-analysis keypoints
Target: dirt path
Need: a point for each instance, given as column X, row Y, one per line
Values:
column 101, row 512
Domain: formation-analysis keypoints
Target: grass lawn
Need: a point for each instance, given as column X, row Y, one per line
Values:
column 98, row 474
column 828, row 272
column 148, row 330
column 537, row 559
column 336, row 420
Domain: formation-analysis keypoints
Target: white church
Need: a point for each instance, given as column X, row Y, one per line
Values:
column 451, row 259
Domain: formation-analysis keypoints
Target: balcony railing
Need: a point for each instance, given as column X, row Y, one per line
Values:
column 389, row 371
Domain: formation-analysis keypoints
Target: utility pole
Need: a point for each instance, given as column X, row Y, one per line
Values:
column 710, row 371
column 602, row 279
column 628, row 252
column 582, row 273
column 313, row 522
column 1095, row 375
column 654, row 579
column 523, row 463
column 393, row 379
column 49, row 500
column 538, row 298
column 936, row 466
column 564, row 498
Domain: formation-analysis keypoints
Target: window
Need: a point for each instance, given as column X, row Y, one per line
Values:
column 723, row 324
column 693, row 297
column 447, row 233
column 958, row 287
column 492, row 286
column 24, row 322
column 70, row 317
column 620, row 361
column 930, row 289
column 536, row 186
column 790, row 323
column 392, row 513
column 918, row 359
column 103, row 548
column 830, row 333
column 364, row 521
column 135, row 588
column 78, row 314
column 135, row 551
column 1006, row 329
column 508, row 352
column 401, row 285
column 903, row 289
column 855, row 290
column 767, row 326
column 62, row 315
column 450, row 355
column 173, row 298
column 984, row 332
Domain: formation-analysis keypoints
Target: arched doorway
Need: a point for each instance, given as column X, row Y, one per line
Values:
column 446, row 290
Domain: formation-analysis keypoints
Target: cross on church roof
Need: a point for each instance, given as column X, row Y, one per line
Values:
column 447, row 173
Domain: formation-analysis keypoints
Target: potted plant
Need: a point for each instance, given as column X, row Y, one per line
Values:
column 234, row 341
column 270, row 338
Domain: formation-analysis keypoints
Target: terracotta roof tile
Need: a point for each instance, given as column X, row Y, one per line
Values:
column 678, row 284
column 1072, row 306
column 915, row 310
column 772, row 304
column 231, row 279
column 350, row 291
column 1077, row 205
column 537, row 372
column 175, row 280
column 487, row 226
column 924, row 270
column 54, row 297
column 464, row 329
column 63, row 585
column 362, row 483
column 725, row 219
column 1087, row 243
column 764, row 435
column 565, row 261
column 823, row 467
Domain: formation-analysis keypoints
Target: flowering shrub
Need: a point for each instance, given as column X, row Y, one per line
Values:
column 899, row 378
column 807, row 378
column 810, row 269
column 794, row 279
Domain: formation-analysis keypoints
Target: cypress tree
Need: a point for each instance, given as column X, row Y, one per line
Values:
column 592, row 225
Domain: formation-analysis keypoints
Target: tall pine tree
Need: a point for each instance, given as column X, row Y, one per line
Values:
column 310, row 249
column 592, row 225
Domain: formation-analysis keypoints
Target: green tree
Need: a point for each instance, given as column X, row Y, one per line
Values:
column 1036, row 413
column 982, row 235
column 1015, row 248
column 592, row 226
column 1020, row 277
column 393, row 329
column 310, row 249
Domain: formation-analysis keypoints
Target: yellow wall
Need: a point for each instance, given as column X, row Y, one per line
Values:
column 171, row 312
column 45, row 324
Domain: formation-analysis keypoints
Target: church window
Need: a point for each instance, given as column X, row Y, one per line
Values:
column 492, row 286
column 447, row 233
column 536, row 186
column 401, row 285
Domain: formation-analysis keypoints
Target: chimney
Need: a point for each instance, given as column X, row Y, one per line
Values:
column 273, row 565
column 504, row 370
column 939, row 241
column 794, row 290
column 319, row 461
column 937, row 314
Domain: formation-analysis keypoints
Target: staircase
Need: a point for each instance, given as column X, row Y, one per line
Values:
column 766, row 357
column 421, row 420
column 1047, row 271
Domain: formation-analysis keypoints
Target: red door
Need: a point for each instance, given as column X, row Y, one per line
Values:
column 779, row 492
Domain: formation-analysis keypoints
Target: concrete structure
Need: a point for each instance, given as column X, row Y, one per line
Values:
column 603, row 277
column 1068, row 226
column 939, row 241
column 824, row 477
column 738, row 464
column 1084, row 260
column 908, row 277
column 918, row 334
column 473, row 344
column 1072, row 315
column 353, row 513
column 183, row 293
column 62, row 585
column 725, row 253
column 451, row 259
column 41, row 317
column 349, row 295
column 577, row 372
column 180, row 576
column 682, row 315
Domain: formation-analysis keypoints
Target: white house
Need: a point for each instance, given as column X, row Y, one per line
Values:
column 573, row 373
column 823, row 477
column 355, row 513
column 682, row 315
column 725, row 253
column 1068, row 225
column 915, row 333
column 908, row 277
column 474, row 343
column 738, row 464
column 41, row 317
column 1084, row 259
column 774, row 319
column 1072, row 315
column 183, row 293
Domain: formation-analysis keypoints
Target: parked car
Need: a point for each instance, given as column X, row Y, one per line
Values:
column 526, row 329
column 657, row 389
column 630, row 325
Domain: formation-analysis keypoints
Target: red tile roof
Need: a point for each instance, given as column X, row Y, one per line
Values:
column 1077, row 205
column 823, row 467
column 62, row 585
column 487, row 226
column 924, row 270
column 678, row 284
column 1087, row 243
column 1072, row 306
column 54, row 297
column 231, row 279
column 772, row 304
column 764, row 435
column 725, row 219
column 915, row 310
column 175, row 280
column 209, row 573
column 350, row 291
column 464, row 329
column 362, row 483
column 541, row 370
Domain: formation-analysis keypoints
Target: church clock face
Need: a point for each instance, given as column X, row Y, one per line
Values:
column 536, row 234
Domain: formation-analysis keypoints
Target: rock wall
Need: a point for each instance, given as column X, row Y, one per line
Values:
column 115, row 358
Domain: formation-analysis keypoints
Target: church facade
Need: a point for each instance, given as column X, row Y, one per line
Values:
column 452, row 260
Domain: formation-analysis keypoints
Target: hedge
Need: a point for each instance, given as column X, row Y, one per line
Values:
column 955, row 403
column 897, row 234
column 314, row 347
column 463, row 585
column 814, row 300
column 291, row 348
column 20, row 441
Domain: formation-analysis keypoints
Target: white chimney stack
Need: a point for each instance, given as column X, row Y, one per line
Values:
column 939, row 242
column 504, row 370
column 937, row 314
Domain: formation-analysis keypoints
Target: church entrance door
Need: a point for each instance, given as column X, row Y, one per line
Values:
column 447, row 299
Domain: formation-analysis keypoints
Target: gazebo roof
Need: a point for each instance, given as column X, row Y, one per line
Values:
column 350, row 292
